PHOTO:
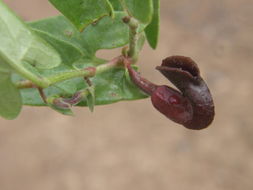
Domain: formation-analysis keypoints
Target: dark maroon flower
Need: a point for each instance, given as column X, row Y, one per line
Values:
column 193, row 106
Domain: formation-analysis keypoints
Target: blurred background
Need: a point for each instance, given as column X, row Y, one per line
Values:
column 129, row 145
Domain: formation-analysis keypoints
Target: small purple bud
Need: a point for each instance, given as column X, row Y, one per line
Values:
column 59, row 103
column 75, row 99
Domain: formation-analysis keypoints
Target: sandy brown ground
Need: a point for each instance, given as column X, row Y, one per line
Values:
column 129, row 145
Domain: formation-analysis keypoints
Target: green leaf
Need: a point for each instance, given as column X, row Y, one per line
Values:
column 111, row 86
column 142, row 10
column 62, row 111
column 5, row 68
column 152, row 30
column 116, row 5
column 69, row 53
column 10, row 98
column 140, row 42
column 83, row 12
column 91, row 99
column 19, row 44
column 108, row 33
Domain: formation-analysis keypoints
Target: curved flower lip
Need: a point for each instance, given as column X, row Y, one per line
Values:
column 182, row 63
column 180, row 68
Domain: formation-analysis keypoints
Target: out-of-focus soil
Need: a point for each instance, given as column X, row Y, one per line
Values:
column 129, row 145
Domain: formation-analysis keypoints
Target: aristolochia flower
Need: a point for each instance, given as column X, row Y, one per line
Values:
column 193, row 106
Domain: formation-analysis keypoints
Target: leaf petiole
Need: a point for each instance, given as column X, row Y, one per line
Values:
column 133, row 25
column 87, row 72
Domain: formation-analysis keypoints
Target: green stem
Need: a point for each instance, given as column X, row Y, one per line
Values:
column 133, row 25
column 39, row 81
column 42, row 95
column 133, row 37
column 87, row 72
column 116, row 62
column 123, row 4
column 25, row 84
